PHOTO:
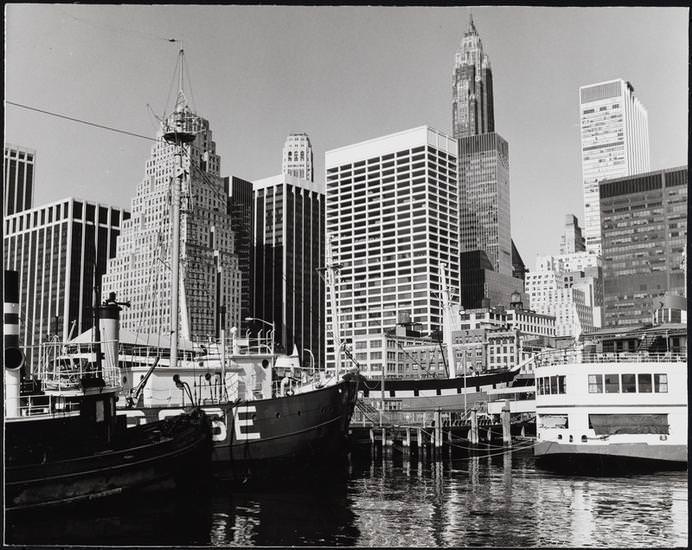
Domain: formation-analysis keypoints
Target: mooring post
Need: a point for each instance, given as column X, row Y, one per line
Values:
column 438, row 430
column 419, row 440
column 407, row 439
column 506, row 428
column 474, row 426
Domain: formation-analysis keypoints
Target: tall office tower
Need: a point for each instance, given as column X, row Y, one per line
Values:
column 472, row 88
column 18, row 179
column 572, row 239
column 569, row 287
column 140, row 271
column 484, row 217
column 297, row 157
column 240, row 205
column 392, row 209
column 614, row 143
column 644, row 225
column 484, row 220
column 289, row 248
column 55, row 248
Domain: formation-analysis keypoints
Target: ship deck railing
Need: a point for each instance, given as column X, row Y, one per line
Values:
column 71, row 367
column 562, row 357
column 366, row 414
column 44, row 404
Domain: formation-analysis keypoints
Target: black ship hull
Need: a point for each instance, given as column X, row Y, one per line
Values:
column 251, row 437
column 171, row 452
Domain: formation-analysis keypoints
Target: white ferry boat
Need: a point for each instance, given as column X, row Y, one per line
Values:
column 620, row 402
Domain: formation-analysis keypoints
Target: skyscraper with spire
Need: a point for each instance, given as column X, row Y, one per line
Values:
column 472, row 88
column 484, row 207
column 209, row 274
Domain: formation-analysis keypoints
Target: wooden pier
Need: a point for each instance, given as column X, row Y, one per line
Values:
column 438, row 432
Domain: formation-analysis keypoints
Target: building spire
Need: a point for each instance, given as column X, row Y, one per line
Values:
column 472, row 27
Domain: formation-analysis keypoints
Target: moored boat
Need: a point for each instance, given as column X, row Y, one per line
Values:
column 65, row 444
column 597, row 409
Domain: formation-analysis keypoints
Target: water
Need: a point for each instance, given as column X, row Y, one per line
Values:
column 499, row 500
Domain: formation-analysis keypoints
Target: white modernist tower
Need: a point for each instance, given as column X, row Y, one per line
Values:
column 141, row 270
column 614, row 143
column 392, row 218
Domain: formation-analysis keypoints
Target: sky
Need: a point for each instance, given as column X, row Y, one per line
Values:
column 342, row 75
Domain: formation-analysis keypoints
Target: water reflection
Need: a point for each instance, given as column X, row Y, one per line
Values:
column 488, row 499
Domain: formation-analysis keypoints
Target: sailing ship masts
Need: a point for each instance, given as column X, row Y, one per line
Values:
column 447, row 321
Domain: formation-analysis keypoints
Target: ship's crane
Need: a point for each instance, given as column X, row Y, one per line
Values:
column 136, row 394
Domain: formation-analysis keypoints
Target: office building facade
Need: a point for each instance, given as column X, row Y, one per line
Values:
column 140, row 271
column 289, row 247
column 614, row 143
column 392, row 209
column 60, row 250
column 484, row 202
column 18, row 179
column 644, row 225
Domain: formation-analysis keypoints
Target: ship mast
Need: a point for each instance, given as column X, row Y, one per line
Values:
column 331, row 269
column 179, row 130
column 447, row 321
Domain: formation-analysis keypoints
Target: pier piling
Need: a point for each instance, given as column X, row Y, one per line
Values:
column 473, row 439
column 506, row 432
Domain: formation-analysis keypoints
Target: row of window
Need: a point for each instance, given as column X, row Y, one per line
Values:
column 628, row 383
column 551, row 385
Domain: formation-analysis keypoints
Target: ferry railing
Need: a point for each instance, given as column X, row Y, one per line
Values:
column 366, row 415
column 561, row 357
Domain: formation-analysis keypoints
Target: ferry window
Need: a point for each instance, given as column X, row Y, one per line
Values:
column 540, row 386
column 629, row 384
column 661, row 383
column 645, row 383
column 595, row 383
column 561, row 384
column 612, row 383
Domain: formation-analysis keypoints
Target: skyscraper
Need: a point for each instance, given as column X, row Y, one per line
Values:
column 140, row 271
column 614, row 143
column 240, row 208
column 297, row 157
column 392, row 208
column 18, row 179
column 572, row 239
column 288, row 248
column 484, row 212
column 644, row 228
column 55, row 248
column 472, row 88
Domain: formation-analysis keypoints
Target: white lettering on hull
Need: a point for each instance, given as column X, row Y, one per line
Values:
column 244, row 422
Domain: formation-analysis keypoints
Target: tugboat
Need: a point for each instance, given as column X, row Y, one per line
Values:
column 64, row 442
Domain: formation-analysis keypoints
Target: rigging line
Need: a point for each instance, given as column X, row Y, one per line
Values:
column 150, row 36
column 79, row 120
column 170, row 87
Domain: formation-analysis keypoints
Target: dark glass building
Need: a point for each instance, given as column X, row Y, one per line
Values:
column 18, row 179
column 289, row 246
column 56, row 248
column 644, row 233
column 240, row 206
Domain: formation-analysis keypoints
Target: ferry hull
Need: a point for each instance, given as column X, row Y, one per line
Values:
column 172, row 452
column 565, row 456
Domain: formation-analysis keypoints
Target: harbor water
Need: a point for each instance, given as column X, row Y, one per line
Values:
column 495, row 499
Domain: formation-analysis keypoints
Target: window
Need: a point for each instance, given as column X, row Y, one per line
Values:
column 595, row 383
column 629, row 384
column 361, row 345
column 612, row 383
column 645, row 383
column 661, row 383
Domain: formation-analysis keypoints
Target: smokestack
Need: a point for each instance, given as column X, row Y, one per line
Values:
column 14, row 357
